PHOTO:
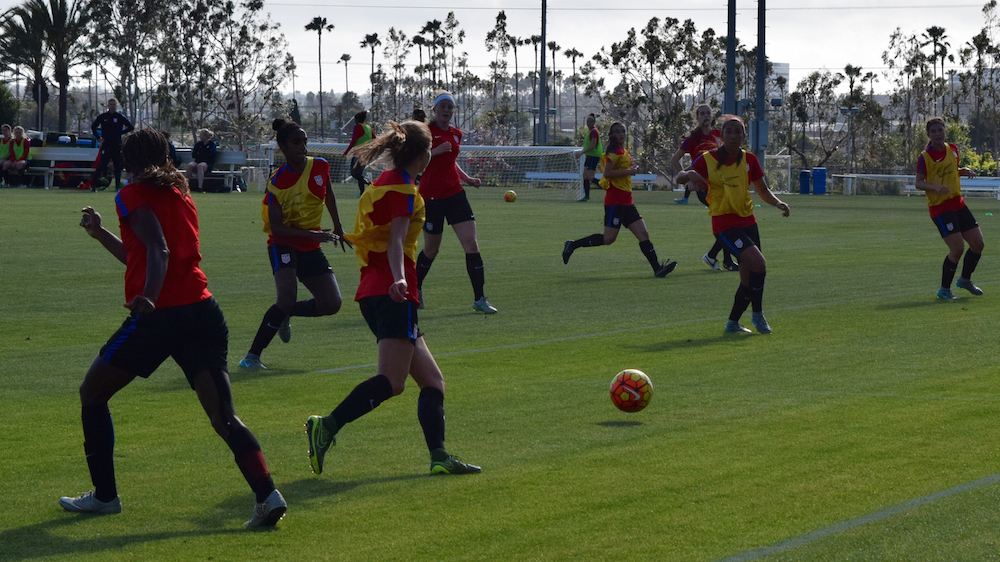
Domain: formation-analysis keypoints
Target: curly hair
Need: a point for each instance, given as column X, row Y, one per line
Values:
column 146, row 155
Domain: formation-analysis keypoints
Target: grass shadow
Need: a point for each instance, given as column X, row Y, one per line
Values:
column 903, row 305
column 307, row 489
column 686, row 343
column 619, row 424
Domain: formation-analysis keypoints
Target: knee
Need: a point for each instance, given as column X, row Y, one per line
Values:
column 398, row 386
column 326, row 307
column 609, row 239
column 431, row 252
column 977, row 246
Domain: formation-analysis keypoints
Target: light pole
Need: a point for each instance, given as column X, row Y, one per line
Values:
column 850, row 112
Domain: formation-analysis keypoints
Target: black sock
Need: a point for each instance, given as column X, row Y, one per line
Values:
column 268, row 327
column 364, row 398
column 647, row 250
column 740, row 302
column 588, row 241
column 423, row 267
column 969, row 263
column 99, row 446
column 757, row 291
column 948, row 269
column 477, row 273
column 727, row 256
column 687, row 191
column 430, row 412
column 716, row 248
column 250, row 460
column 586, row 189
column 305, row 308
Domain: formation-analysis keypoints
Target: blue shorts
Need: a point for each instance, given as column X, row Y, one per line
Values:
column 389, row 319
column 306, row 264
column 195, row 335
column 953, row 222
column 739, row 239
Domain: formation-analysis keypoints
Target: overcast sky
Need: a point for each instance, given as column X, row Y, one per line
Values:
column 807, row 34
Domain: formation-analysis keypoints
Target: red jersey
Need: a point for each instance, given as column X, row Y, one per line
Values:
column 441, row 178
column 185, row 283
column 297, row 209
column 376, row 277
column 697, row 143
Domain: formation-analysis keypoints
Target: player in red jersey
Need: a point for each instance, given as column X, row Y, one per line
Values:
column 292, row 213
column 386, row 232
column 938, row 175
column 172, row 314
column 441, row 188
column 727, row 173
column 702, row 139
column 619, row 210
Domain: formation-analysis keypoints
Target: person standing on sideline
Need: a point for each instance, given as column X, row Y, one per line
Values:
column 619, row 210
column 441, row 188
column 727, row 173
column 363, row 134
column 172, row 314
column 592, row 150
column 293, row 212
column 938, row 174
column 110, row 126
column 386, row 232
column 702, row 139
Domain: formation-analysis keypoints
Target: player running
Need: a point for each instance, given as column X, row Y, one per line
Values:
column 938, row 176
column 702, row 139
column 727, row 173
column 293, row 211
column 386, row 232
column 441, row 188
column 172, row 315
column 619, row 210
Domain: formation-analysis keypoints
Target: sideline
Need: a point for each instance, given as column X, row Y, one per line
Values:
column 836, row 528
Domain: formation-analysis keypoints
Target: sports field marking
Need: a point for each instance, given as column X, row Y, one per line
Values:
column 879, row 515
column 632, row 329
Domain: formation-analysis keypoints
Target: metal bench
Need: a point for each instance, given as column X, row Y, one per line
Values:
column 44, row 161
column 228, row 165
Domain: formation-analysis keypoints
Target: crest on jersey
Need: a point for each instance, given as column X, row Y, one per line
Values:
column 457, row 140
column 318, row 180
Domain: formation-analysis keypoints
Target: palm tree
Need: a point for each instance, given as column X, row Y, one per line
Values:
column 420, row 41
column 22, row 32
column 345, row 58
column 555, row 48
column 319, row 25
column 516, row 42
column 65, row 25
column 535, row 41
column 372, row 41
column 434, row 28
column 572, row 55
column 939, row 50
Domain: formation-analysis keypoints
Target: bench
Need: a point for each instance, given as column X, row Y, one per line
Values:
column 47, row 161
column 228, row 166
column 987, row 185
column 574, row 178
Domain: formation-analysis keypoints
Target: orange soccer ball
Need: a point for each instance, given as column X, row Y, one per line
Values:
column 631, row 390
column 510, row 196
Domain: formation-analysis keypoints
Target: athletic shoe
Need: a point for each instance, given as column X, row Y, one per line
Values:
column 714, row 264
column 252, row 363
column 967, row 284
column 453, row 465
column 567, row 250
column 760, row 323
column 946, row 294
column 483, row 305
column 285, row 330
column 420, row 297
column 665, row 268
column 730, row 266
column 681, row 201
column 583, row 200
column 87, row 503
column 268, row 512
column 320, row 441
column 736, row 327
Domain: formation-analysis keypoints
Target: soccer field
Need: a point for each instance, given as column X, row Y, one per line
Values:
column 864, row 428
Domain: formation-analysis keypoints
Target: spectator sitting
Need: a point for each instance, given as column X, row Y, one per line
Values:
column 202, row 158
column 19, row 147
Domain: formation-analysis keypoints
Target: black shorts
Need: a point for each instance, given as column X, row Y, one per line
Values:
column 739, row 239
column 952, row 222
column 306, row 264
column 590, row 162
column 617, row 216
column 195, row 335
column 390, row 319
column 455, row 209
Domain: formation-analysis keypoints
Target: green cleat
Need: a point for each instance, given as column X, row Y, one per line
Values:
column 320, row 441
column 735, row 327
column 483, row 305
column 452, row 465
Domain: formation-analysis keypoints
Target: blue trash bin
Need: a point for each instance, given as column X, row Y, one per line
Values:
column 819, row 181
column 804, row 182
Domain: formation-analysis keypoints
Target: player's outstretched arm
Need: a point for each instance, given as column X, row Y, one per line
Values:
column 91, row 222
column 765, row 194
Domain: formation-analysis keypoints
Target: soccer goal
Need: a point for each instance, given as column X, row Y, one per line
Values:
column 778, row 169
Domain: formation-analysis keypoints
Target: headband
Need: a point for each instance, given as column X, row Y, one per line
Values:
column 443, row 97
column 734, row 118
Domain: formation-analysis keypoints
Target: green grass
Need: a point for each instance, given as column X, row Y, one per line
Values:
column 870, row 393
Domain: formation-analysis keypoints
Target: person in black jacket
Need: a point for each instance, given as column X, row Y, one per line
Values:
column 202, row 158
column 110, row 126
